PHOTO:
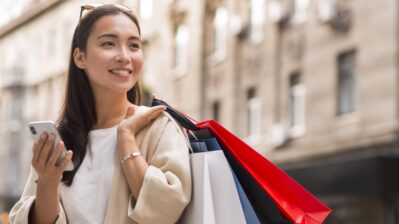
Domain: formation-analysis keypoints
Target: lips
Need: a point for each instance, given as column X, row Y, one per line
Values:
column 120, row 71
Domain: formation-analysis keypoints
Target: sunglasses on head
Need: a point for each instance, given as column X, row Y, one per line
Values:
column 84, row 9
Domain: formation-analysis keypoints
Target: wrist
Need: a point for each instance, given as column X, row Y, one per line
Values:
column 126, row 141
column 124, row 135
column 127, row 145
column 47, row 184
column 123, row 130
column 47, row 190
column 132, row 155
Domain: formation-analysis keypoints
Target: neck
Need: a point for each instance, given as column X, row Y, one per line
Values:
column 110, row 109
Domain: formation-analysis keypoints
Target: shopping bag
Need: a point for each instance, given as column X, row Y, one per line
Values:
column 266, row 208
column 214, row 197
column 201, row 209
column 268, row 188
column 249, row 213
column 206, row 143
column 258, row 176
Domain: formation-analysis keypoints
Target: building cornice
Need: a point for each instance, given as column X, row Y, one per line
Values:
column 28, row 15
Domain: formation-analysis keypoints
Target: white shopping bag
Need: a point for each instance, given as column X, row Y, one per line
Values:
column 214, row 199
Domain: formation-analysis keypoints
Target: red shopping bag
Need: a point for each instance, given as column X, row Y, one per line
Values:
column 294, row 201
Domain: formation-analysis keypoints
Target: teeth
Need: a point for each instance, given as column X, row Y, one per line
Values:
column 119, row 72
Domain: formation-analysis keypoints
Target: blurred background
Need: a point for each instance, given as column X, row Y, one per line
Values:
column 311, row 84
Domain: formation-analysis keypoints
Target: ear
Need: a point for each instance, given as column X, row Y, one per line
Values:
column 78, row 58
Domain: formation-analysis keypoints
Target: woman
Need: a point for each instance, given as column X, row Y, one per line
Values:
column 131, row 162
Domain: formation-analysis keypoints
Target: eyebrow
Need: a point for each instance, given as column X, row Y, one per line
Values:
column 116, row 36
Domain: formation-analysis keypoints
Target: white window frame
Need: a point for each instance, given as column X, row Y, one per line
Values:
column 220, row 32
column 344, row 99
column 52, row 43
column 258, row 19
column 297, row 110
column 254, row 106
column 181, row 50
column 146, row 9
column 300, row 10
column 6, row 110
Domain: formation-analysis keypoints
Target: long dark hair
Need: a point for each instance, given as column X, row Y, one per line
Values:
column 78, row 112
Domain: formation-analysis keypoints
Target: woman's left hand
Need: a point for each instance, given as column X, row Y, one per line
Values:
column 134, row 120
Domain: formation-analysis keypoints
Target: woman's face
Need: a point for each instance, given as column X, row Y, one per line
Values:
column 113, row 57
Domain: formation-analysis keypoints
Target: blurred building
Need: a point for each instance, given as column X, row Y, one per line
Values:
column 312, row 85
column 33, row 56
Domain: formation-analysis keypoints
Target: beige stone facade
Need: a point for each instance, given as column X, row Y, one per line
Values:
column 274, row 72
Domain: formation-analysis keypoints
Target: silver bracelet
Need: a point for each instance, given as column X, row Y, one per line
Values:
column 131, row 155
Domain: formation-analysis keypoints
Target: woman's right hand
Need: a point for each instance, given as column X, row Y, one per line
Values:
column 44, row 162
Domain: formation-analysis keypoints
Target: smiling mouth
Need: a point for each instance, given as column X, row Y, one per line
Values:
column 120, row 72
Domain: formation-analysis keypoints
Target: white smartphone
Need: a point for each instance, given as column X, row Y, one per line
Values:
column 36, row 129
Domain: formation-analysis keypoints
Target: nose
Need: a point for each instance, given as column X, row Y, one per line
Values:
column 122, row 56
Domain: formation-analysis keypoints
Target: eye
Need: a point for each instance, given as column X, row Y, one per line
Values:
column 135, row 45
column 107, row 43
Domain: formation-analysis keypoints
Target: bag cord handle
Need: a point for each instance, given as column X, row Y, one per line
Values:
column 180, row 117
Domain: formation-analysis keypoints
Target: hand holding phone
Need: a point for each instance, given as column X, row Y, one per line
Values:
column 37, row 128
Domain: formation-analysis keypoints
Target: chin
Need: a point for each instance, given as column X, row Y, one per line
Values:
column 121, row 90
column 124, row 89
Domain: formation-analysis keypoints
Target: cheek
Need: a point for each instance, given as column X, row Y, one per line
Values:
column 99, row 57
column 96, row 64
column 138, row 62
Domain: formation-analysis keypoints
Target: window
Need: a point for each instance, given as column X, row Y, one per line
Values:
column 297, row 105
column 253, row 115
column 11, row 10
column 16, row 102
column 33, row 102
column 2, row 65
column 5, row 108
column 220, row 30
column 181, row 49
column 346, row 83
column 258, row 16
column 145, row 9
column 2, row 110
column 51, row 46
column 300, row 8
column 216, row 111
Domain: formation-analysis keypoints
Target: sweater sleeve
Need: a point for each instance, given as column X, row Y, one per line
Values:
column 19, row 214
column 166, row 188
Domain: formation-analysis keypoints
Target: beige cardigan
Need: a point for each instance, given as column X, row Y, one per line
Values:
column 166, row 188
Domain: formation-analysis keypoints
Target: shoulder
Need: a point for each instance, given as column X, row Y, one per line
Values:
column 162, row 129
column 163, row 121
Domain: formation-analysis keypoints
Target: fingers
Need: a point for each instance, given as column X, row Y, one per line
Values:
column 65, row 161
column 38, row 148
column 137, row 121
column 44, row 159
column 158, row 108
column 35, row 156
column 154, row 96
column 55, row 154
column 44, row 155
column 156, row 111
column 129, row 112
